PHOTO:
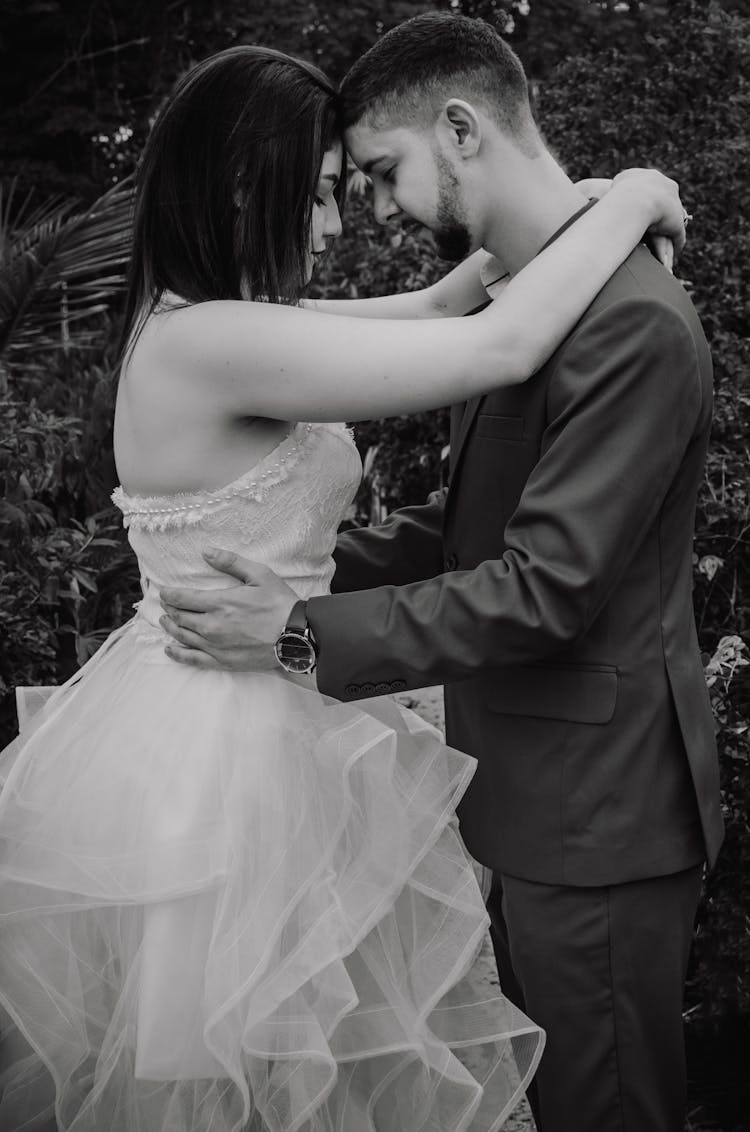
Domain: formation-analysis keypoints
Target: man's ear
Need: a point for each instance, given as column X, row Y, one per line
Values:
column 460, row 127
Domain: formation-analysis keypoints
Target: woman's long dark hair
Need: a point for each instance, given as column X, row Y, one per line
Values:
column 226, row 182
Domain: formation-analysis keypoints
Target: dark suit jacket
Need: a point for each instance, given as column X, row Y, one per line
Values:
column 550, row 590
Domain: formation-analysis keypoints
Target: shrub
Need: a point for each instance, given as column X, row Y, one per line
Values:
column 66, row 569
column 67, row 575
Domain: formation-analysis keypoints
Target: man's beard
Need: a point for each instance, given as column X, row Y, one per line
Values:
column 451, row 233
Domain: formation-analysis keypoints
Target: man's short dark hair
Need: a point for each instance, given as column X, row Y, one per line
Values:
column 408, row 74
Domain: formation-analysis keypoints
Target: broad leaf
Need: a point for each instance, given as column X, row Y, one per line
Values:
column 59, row 266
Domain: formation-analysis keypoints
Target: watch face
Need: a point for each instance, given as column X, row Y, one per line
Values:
column 295, row 653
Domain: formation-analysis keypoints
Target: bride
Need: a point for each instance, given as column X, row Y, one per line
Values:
column 229, row 902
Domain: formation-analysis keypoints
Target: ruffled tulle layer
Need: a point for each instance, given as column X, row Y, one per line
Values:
column 229, row 903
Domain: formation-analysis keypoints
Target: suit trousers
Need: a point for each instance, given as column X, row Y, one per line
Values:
column 602, row 970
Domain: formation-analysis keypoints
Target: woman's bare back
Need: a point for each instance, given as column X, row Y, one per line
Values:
column 169, row 437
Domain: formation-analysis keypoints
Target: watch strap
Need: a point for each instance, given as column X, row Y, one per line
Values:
column 297, row 620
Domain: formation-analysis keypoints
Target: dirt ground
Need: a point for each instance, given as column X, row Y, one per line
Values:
column 428, row 703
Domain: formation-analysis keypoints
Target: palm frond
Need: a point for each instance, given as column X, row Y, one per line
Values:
column 59, row 266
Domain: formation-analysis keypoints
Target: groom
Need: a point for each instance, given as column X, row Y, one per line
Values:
column 549, row 590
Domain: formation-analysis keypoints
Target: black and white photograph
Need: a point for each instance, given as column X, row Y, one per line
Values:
column 374, row 566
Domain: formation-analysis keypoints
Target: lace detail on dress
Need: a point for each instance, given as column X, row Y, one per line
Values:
column 157, row 512
column 346, row 431
column 284, row 512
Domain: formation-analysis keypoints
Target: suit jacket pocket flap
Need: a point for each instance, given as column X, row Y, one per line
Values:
column 577, row 695
column 494, row 427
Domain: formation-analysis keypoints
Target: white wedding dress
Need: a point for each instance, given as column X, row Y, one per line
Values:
column 228, row 902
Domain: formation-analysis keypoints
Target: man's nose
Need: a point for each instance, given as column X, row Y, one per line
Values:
column 385, row 208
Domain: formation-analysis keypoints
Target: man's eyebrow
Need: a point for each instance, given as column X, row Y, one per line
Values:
column 368, row 166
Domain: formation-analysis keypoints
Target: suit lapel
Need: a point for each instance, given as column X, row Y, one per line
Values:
column 461, row 424
column 467, row 420
column 460, row 434
column 460, row 429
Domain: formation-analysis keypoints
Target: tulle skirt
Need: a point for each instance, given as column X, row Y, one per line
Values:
column 229, row 903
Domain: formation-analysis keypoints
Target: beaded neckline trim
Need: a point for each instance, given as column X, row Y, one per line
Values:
column 271, row 469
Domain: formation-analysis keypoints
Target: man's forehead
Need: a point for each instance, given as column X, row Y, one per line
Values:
column 367, row 145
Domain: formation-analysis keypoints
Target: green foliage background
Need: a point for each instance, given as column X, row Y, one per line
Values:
column 616, row 84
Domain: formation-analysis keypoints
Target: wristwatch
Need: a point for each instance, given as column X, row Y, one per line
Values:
column 296, row 649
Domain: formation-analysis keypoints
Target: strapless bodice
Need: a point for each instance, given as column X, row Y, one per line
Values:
column 285, row 513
